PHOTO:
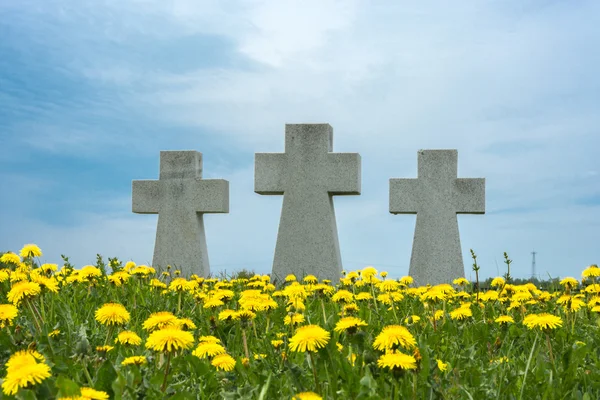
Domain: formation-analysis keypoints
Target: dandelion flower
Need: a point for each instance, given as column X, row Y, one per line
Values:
column 504, row 319
column 104, row 349
column 307, row 396
column 497, row 282
column 543, row 321
column 54, row 333
column 169, row 339
column 406, row 280
column 397, row 361
column 8, row 312
column 293, row 319
column 591, row 271
column 112, row 314
column 22, row 290
column 460, row 281
column 159, row 320
column 461, row 313
column 310, row 279
column 276, row 343
column 208, row 349
column 442, row 366
column 128, row 338
column 227, row 315
column 309, row 338
column 10, row 258
column 24, row 370
column 393, row 336
column 223, row 362
column 91, row 394
column 343, row 296
column 134, row 360
column 30, row 250
column 349, row 324
column 569, row 282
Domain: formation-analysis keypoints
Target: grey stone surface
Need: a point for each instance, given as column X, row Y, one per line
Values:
column 436, row 197
column 180, row 198
column 307, row 175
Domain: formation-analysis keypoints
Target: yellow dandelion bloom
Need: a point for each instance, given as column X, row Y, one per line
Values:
column 393, row 336
column 208, row 349
column 290, row 278
column 307, row 396
column 442, row 366
column 461, row 313
column 412, row 319
column 310, row 279
column 596, row 309
column 8, row 312
column 104, row 349
column 364, row 296
column 497, row 282
column 169, row 339
column 112, row 314
column 209, row 339
column 128, row 338
column 54, row 333
column 185, row 323
column 179, row 285
column 276, row 343
column 343, row 296
column 504, row 319
column 245, row 315
column 398, row 361
column 30, row 250
column 406, row 280
column 591, row 271
column 22, row 290
column 227, row 315
column 134, row 360
column 24, row 370
column 569, row 282
column 213, row 303
column 460, row 281
column 293, row 319
column 223, row 362
column 309, row 338
column 91, row 394
column 543, row 321
column 159, row 320
column 89, row 272
column 10, row 258
column 349, row 324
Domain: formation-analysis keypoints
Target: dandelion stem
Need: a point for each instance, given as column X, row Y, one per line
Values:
column 164, row 385
column 550, row 350
column 324, row 313
column 35, row 320
column 314, row 369
column 245, row 342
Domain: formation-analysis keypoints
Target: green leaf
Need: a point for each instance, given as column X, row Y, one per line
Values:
column 66, row 387
column 105, row 377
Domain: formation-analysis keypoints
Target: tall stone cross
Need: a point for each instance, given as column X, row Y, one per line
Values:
column 307, row 175
column 180, row 198
column 436, row 197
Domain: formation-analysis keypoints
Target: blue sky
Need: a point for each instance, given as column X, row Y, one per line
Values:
column 91, row 91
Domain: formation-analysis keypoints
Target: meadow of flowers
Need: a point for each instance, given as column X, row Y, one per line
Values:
column 127, row 331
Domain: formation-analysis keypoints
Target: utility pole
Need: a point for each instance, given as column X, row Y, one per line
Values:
column 533, row 253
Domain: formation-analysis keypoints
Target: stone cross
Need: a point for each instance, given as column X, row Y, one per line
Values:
column 436, row 197
column 307, row 175
column 180, row 198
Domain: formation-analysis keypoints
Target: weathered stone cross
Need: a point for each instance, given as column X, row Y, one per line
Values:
column 180, row 198
column 307, row 175
column 436, row 197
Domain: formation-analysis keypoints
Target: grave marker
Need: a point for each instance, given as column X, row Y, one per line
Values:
column 308, row 174
column 436, row 196
column 180, row 198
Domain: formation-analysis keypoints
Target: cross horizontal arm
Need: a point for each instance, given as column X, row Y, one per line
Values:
column 146, row 197
column 405, row 196
column 211, row 196
column 469, row 195
column 343, row 174
column 270, row 170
